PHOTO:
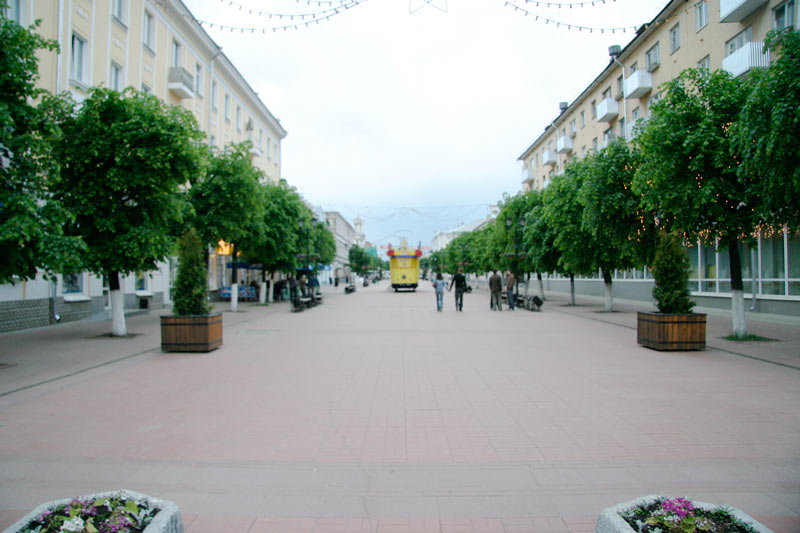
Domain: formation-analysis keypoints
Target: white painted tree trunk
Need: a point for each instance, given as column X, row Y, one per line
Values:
column 541, row 289
column 527, row 284
column 737, row 312
column 609, row 297
column 118, row 327
column 234, row 297
column 262, row 292
column 272, row 288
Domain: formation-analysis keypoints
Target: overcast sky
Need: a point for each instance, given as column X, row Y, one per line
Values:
column 415, row 121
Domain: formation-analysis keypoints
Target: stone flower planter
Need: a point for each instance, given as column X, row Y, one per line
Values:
column 610, row 520
column 168, row 519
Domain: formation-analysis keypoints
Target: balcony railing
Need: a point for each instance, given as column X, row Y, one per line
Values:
column 564, row 145
column 181, row 82
column 632, row 129
column 738, row 10
column 638, row 84
column 549, row 157
column 607, row 110
column 746, row 58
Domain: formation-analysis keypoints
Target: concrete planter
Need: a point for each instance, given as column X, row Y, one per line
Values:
column 610, row 520
column 168, row 519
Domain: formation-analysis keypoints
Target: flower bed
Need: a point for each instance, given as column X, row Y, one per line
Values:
column 658, row 514
column 121, row 511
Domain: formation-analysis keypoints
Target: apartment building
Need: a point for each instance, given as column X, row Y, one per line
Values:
column 712, row 34
column 345, row 236
column 156, row 47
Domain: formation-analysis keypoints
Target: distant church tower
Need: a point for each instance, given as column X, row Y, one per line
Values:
column 358, row 224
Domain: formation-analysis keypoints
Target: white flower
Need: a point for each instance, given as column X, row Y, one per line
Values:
column 73, row 524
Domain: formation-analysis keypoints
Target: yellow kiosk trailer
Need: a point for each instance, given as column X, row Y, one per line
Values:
column 404, row 267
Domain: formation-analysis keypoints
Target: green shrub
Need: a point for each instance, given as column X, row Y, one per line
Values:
column 671, row 271
column 190, row 292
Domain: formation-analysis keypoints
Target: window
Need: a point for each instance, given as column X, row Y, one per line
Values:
column 583, row 150
column 115, row 79
column 653, row 57
column 118, row 10
column 146, row 89
column 622, row 128
column 72, row 283
column 783, row 16
column 675, row 37
column 594, row 144
column 635, row 114
column 198, row 79
column 227, row 107
column 619, row 87
column 269, row 147
column 594, row 109
column 701, row 14
column 634, row 67
column 705, row 63
column 148, row 29
column 739, row 40
column 79, row 51
column 583, row 119
column 563, row 132
column 13, row 11
column 214, row 95
column 141, row 281
column 572, row 128
column 239, row 118
column 261, row 140
column 607, row 94
column 212, row 140
column 608, row 136
column 176, row 54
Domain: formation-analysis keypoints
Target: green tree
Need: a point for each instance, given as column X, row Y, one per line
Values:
column 228, row 203
column 359, row 259
column 191, row 284
column 538, row 239
column 123, row 159
column 563, row 213
column 622, row 233
column 509, row 235
column 323, row 243
column 671, row 271
column 688, row 170
column 766, row 135
column 31, row 220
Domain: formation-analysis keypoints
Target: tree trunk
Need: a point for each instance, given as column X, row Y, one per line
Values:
column 541, row 285
column 234, row 284
column 262, row 288
column 607, row 281
column 271, row 287
column 118, row 327
column 572, row 289
column 737, row 290
column 527, row 283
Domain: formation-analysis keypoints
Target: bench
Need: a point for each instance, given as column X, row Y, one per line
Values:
column 349, row 289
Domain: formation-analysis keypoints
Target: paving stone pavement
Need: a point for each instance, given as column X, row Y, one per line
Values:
column 375, row 413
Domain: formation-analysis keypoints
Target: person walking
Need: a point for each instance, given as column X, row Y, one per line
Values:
column 439, row 284
column 461, row 285
column 496, row 289
column 511, row 280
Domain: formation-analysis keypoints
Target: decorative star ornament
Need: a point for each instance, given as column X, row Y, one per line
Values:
column 416, row 5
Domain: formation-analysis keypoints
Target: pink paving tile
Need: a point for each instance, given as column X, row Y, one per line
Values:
column 221, row 524
column 472, row 526
column 342, row 525
column 408, row 526
column 283, row 525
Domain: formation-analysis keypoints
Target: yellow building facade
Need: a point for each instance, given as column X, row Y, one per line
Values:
column 712, row 34
column 156, row 47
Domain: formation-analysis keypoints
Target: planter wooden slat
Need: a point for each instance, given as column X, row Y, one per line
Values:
column 191, row 333
column 661, row 331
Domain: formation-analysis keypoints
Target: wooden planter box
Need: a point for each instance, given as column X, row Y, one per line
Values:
column 201, row 333
column 661, row 331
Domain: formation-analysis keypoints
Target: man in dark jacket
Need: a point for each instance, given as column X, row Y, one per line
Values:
column 461, row 285
column 496, row 289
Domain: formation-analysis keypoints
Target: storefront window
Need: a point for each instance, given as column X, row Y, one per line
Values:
column 708, row 262
column 772, row 257
column 793, row 247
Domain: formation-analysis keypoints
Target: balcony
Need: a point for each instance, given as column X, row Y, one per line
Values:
column 632, row 129
column 607, row 110
column 746, row 58
column 564, row 145
column 180, row 82
column 638, row 84
column 738, row 10
column 549, row 157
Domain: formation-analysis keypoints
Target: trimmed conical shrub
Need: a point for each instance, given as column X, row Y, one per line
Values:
column 671, row 271
column 190, row 292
